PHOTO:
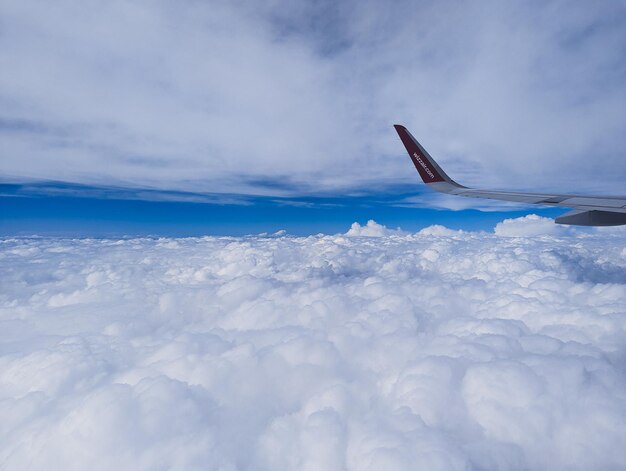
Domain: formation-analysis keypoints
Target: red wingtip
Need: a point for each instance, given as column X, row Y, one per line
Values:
column 419, row 157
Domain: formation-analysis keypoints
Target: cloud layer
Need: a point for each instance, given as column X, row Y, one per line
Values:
column 436, row 350
column 237, row 96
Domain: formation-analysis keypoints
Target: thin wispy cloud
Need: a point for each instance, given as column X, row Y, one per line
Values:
column 215, row 96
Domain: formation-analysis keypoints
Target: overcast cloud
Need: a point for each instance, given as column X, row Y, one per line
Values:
column 230, row 96
column 373, row 350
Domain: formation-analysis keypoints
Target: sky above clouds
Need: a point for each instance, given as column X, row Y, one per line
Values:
column 373, row 349
column 290, row 98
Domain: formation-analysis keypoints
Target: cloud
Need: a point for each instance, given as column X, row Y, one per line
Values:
column 371, row 229
column 438, row 230
column 221, row 96
column 431, row 199
column 440, row 350
column 530, row 226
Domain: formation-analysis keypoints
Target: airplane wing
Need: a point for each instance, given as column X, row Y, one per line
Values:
column 588, row 210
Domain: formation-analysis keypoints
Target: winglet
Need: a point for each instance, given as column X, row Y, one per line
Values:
column 424, row 163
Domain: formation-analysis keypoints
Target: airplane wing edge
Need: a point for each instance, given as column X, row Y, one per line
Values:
column 588, row 210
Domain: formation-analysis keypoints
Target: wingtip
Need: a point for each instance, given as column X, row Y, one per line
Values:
column 424, row 164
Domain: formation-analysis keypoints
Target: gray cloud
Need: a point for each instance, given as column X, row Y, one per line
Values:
column 213, row 95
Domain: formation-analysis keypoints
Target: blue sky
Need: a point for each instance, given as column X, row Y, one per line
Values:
column 104, row 212
column 237, row 117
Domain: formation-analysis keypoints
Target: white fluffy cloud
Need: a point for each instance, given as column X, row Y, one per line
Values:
column 530, row 226
column 226, row 96
column 371, row 229
column 436, row 350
